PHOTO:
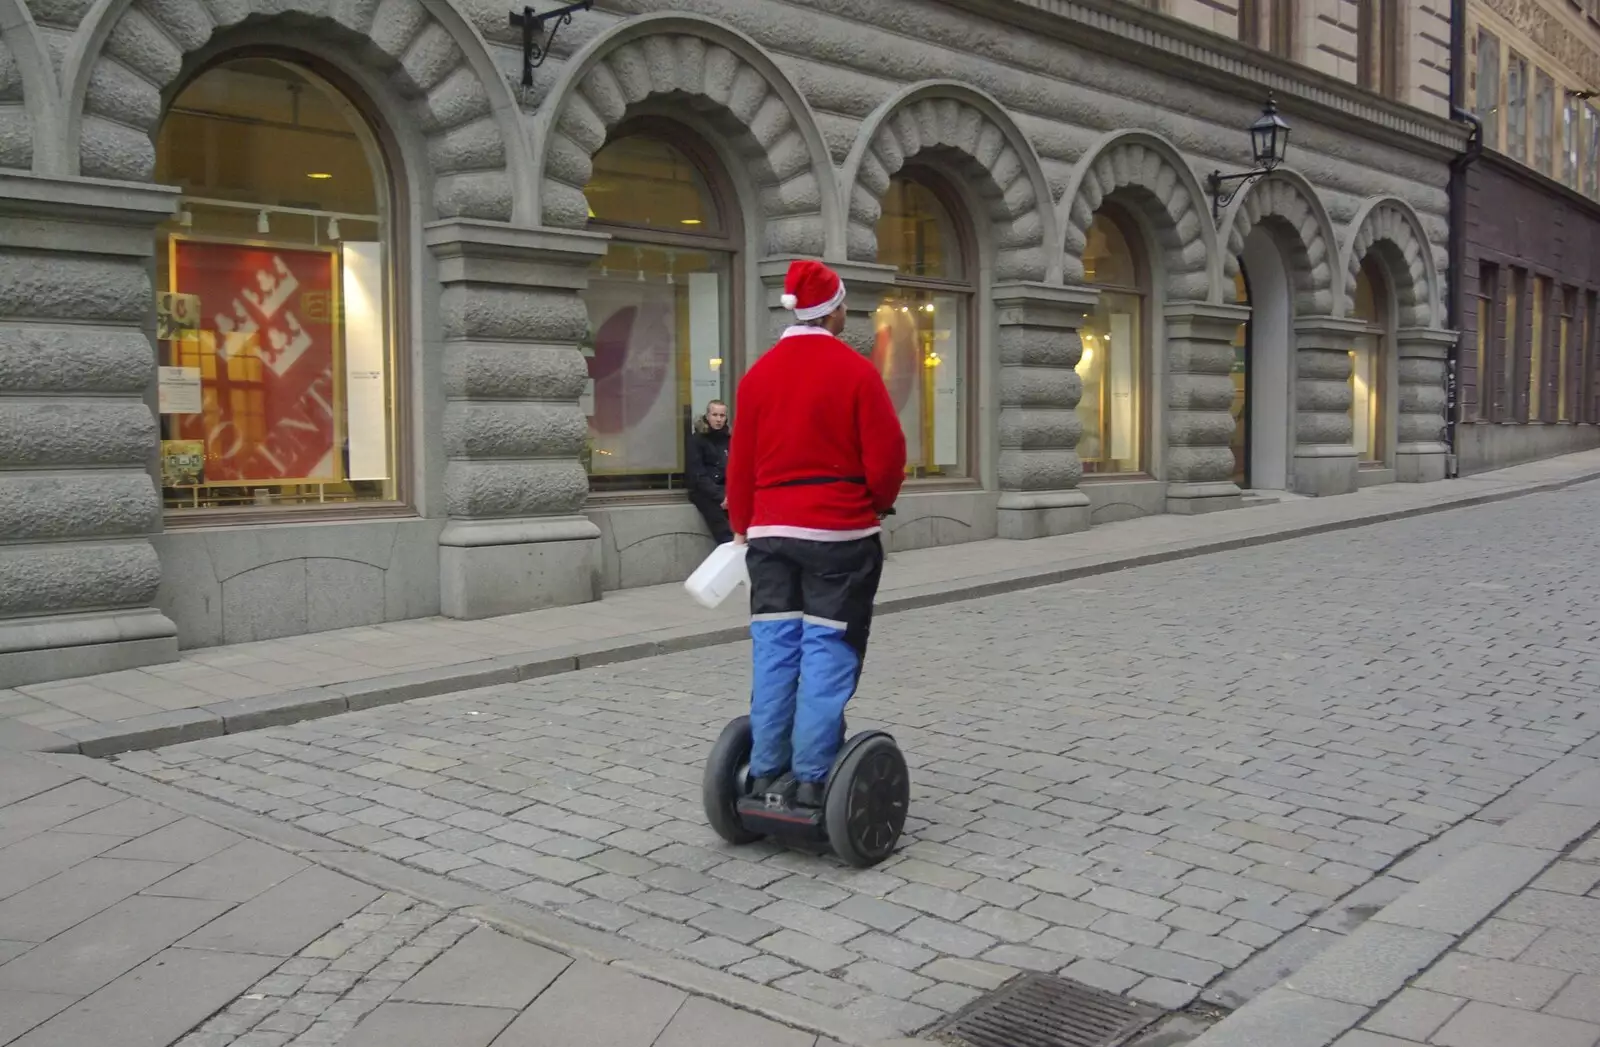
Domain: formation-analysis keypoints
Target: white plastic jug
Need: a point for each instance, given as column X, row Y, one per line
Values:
column 721, row 573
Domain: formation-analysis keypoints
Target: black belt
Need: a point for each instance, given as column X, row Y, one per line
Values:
column 809, row 481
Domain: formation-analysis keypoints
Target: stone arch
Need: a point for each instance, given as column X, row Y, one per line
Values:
column 134, row 53
column 1147, row 171
column 715, row 68
column 29, row 95
column 1391, row 227
column 1287, row 205
column 1000, row 162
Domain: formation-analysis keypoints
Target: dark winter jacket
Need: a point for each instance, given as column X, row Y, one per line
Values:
column 707, row 465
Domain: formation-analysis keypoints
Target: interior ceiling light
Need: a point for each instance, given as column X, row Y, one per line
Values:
column 691, row 221
column 320, row 176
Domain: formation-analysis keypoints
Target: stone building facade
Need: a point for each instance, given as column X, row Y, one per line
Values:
column 312, row 315
column 1529, row 293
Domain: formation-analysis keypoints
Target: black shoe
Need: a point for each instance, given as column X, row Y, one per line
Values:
column 809, row 794
column 763, row 785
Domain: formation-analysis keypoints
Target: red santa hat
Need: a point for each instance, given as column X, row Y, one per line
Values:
column 811, row 290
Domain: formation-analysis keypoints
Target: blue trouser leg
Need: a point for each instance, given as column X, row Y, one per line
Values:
column 830, row 668
column 776, row 643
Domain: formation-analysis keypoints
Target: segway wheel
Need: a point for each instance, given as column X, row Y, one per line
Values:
column 867, row 803
column 724, row 782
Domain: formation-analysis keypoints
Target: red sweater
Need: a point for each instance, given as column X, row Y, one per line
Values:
column 813, row 407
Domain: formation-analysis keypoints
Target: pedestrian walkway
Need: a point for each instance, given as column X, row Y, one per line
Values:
column 124, row 921
column 212, row 691
column 1499, row 947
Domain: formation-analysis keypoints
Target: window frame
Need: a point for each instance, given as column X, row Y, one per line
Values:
column 965, row 287
column 400, row 286
column 1571, row 120
column 1378, row 46
column 1591, row 151
column 1517, row 108
column 729, row 241
column 1489, row 109
column 1381, row 330
column 1143, row 288
column 1544, row 120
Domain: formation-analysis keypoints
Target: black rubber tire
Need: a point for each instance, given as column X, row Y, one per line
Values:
column 867, row 802
column 719, row 791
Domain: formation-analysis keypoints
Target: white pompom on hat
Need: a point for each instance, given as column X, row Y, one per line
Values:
column 811, row 290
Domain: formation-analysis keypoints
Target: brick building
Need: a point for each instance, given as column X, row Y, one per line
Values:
column 1530, row 282
column 312, row 314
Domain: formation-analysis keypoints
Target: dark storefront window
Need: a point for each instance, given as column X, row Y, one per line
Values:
column 1537, row 348
column 1569, row 304
column 1506, row 410
column 1484, row 300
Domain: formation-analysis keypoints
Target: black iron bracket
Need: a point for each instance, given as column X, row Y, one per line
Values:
column 1216, row 180
column 535, row 45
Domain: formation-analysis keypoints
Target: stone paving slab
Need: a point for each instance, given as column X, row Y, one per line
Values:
column 232, row 942
column 239, row 687
column 1513, row 967
column 1146, row 779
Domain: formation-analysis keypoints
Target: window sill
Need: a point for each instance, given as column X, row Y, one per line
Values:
column 1102, row 478
column 195, row 519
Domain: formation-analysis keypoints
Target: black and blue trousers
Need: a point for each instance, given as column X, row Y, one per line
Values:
column 810, row 614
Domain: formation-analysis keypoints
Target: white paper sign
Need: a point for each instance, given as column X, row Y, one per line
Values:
column 178, row 390
column 705, row 340
column 366, row 384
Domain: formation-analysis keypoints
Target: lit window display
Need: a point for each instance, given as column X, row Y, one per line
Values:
column 920, row 346
column 1367, row 367
column 659, row 343
column 1241, row 377
column 277, row 384
column 1113, row 362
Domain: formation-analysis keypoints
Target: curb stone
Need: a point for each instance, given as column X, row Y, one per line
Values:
column 509, row 916
column 231, row 717
column 1356, row 975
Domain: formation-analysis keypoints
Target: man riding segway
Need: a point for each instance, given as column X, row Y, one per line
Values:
column 817, row 460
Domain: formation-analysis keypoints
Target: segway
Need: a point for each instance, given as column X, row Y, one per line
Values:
column 863, row 808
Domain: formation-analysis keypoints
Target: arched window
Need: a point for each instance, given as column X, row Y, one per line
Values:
column 1114, row 352
column 921, row 344
column 275, row 316
column 660, row 311
column 1368, row 366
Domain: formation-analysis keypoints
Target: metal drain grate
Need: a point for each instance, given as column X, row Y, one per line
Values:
column 1037, row 1010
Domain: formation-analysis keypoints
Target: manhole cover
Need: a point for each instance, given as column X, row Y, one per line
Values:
column 1037, row 1010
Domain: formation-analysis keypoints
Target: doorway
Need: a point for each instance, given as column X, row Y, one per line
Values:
column 1263, row 371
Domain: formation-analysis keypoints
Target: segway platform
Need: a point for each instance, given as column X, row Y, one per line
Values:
column 864, row 803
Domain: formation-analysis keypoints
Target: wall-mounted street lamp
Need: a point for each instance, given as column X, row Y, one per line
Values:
column 1269, row 140
column 535, row 50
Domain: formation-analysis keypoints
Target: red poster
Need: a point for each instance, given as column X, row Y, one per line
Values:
column 266, row 346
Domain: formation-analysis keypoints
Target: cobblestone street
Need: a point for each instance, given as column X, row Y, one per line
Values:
column 1140, row 780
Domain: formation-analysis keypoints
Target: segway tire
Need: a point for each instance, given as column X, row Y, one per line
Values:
column 722, row 785
column 868, row 797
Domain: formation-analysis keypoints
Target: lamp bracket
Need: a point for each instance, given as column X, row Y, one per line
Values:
column 535, row 50
column 1216, row 180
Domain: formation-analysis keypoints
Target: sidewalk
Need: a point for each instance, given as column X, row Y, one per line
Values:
column 125, row 921
column 1497, row 947
column 224, row 690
